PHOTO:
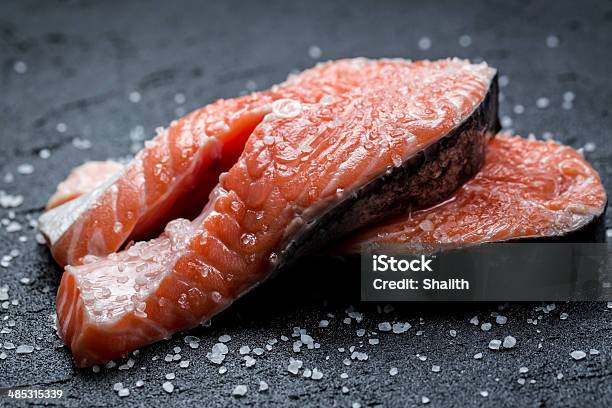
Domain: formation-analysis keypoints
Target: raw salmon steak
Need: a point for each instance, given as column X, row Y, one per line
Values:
column 406, row 137
column 527, row 190
column 175, row 172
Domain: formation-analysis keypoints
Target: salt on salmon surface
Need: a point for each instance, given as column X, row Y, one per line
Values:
column 405, row 137
column 527, row 189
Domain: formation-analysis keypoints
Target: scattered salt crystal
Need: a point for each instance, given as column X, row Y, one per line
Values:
column 495, row 344
column 542, row 102
column 399, row 328
column 509, row 342
column 249, row 361
column 294, row 365
column 518, row 109
column 24, row 349
column 117, row 386
column 465, row 40
column 124, row 392
column 373, row 341
column 222, row 370
column 477, row 356
column 593, row 352
column 258, row 351
column 425, row 400
column 484, row 393
column 244, row 350
column 184, row 364
column 384, row 326
column 168, row 387
column 135, row 97
column 506, row 121
column 485, row 326
column 435, row 368
column 225, row 338
column 393, row 371
column 499, row 319
column 20, row 67
column 590, row 147
column 220, row 348
column 474, row 320
column 81, row 144
column 139, row 383
column 521, row 381
column 25, row 169
column 263, row 386
column 315, row 52
column 453, row 333
column 316, row 374
column 503, row 80
column 324, row 323
column 552, row 41
column 578, row 354
column 523, row 370
column 424, row 43
column 563, row 316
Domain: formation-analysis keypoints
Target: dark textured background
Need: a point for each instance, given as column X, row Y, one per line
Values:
column 84, row 58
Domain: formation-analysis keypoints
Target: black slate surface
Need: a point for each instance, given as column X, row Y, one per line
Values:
column 84, row 58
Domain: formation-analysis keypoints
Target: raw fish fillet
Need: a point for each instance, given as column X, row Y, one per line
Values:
column 405, row 138
column 526, row 190
column 175, row 172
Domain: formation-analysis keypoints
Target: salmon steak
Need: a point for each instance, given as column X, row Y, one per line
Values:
column 527, row 190
column 320, row 164
column 176, row 171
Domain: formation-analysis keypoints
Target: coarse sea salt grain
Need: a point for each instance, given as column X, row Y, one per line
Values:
column 240, row 390
column 509, row 342
column 168, row 387
column 465, row 40
column 542, row 102
column 578, row 354
column 315, row 52
column 424, row 43
column 495, row 344
column 552, row 41
column 393, row 371
column 384, row 326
